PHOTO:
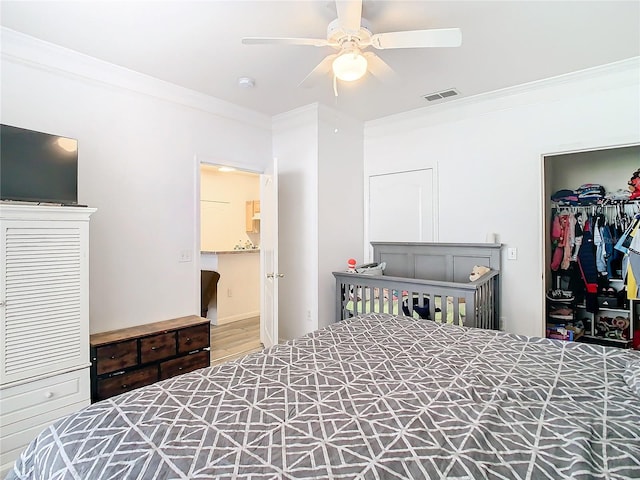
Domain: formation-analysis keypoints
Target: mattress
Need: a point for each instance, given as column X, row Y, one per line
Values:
column 372, row 397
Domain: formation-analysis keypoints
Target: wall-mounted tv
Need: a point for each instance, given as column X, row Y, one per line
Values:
column 38, row 167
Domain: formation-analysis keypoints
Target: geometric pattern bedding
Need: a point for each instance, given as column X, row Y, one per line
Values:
column 372, row 397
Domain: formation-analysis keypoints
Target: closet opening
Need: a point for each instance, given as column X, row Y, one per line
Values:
column 591, row 214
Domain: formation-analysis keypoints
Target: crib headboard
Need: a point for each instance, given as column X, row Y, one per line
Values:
column 449, row 262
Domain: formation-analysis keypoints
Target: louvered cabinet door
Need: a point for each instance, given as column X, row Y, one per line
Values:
column 45, row 300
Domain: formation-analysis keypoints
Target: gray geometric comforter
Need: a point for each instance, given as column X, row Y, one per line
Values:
column 377, row 397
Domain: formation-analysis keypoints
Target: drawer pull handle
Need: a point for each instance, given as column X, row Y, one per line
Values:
column 113, row 357
column 48, row 394
column 124, row 385
column 180, row 368
column 154, row 348
column 188, row 340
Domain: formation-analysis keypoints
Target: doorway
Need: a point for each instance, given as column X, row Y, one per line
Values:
column 230, row 259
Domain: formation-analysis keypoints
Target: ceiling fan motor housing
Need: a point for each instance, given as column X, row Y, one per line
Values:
column 336, row 35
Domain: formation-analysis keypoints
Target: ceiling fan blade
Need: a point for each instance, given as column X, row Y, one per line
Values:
column 316, row 42
column 349, row 15
column 379, row 68
column 442, row 37
column 321, row 70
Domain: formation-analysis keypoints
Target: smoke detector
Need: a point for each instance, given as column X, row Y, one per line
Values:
column 246, row 82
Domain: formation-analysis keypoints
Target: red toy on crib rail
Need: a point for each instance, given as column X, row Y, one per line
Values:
column 634, row 185
column 351, row 265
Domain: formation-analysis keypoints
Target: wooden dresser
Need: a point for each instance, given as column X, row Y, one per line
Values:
column 129, row 358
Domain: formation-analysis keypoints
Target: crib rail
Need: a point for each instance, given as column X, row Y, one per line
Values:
column 357, row 294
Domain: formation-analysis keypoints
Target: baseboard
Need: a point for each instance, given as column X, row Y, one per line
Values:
column 235, row 318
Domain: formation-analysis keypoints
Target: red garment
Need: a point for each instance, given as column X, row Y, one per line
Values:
column 558, row 255
column 564, row 230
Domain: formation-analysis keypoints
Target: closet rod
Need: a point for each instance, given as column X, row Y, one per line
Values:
column 625, row 203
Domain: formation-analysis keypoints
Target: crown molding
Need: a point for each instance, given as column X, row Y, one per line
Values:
column 23, row 49
column 612, row 75
column 307, row 115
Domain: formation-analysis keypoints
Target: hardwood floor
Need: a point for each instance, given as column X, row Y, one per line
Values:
column 234, row 340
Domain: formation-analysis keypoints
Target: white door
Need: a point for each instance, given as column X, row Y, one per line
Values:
column 269, row 255
column 401, row 207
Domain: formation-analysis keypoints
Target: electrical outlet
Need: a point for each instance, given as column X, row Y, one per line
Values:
column 229, row 294
column 184, row 256
column 512, row 253
column 308, row 315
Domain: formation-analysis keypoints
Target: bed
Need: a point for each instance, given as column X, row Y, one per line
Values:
column 427, row 281
column 371, row 397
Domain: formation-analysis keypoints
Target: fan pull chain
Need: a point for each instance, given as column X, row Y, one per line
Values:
column 335, row 91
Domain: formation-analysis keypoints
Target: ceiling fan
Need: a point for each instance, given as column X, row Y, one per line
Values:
column 350, row 34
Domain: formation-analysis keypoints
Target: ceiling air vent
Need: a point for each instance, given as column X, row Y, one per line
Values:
column 432, row 97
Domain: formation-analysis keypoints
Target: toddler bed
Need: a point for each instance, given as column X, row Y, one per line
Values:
column 428, row 281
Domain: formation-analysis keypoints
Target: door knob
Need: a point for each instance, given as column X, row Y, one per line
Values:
column 275, row 275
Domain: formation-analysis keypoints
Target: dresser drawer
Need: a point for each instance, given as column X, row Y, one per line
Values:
column 177, row 366
column 157, row 347
column 114, row 357
column 108, row 387
column 193, row 338
column 40, row 396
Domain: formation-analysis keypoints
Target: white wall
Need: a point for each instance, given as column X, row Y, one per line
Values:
column 611, row 168
column 340, row 202
column 223, row 208
column 137, row 141
column 320, row 211
column 488, row 154
column 295, row 145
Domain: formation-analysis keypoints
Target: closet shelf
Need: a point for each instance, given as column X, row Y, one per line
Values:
column 601, row 308
column 605, row 339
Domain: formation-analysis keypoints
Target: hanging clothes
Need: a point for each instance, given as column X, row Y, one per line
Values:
column 560, row 235
column 622, row 245
column 633, row 274
column 616, row 257
column 607, row 239
column 569, row 243
column 577, row 236
column 588, row 270
column 598, row 241
column 571, row 278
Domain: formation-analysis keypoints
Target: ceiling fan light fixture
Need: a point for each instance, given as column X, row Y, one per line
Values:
column 349, row 66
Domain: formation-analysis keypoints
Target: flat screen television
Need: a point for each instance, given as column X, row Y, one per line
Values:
column 38, row 167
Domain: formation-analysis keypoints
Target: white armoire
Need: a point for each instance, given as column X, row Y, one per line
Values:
column 44, row 320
